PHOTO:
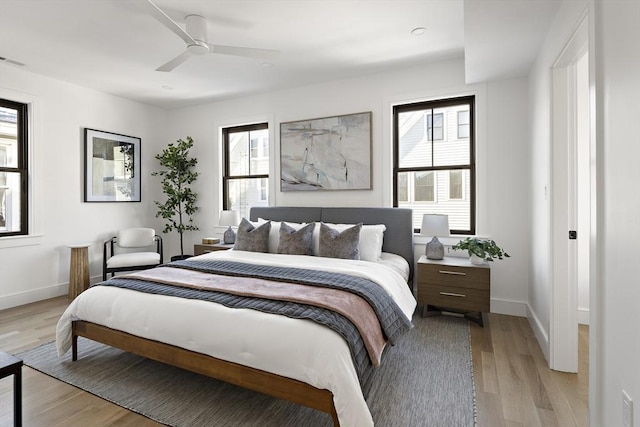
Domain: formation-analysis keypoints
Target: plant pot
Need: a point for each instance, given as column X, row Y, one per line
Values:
column 180, row 257
column 476, row 260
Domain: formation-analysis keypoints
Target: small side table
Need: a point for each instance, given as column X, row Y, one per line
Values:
column 203, row 249
column 11, row 365
column 454, row 284
column 78, row 269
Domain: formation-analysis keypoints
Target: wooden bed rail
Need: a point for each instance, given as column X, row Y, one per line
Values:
column 250, row 378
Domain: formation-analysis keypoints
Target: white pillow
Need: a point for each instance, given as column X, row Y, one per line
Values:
column 274, row 234
column 371, row 237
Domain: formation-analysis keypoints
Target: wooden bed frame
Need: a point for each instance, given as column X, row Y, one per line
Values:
column 254, row 379
column 398, row 222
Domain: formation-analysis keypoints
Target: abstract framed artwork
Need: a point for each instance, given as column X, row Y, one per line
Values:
column 329, row 153
column 111, row 167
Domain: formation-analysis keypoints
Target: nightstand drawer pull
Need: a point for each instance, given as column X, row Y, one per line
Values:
column 451, row 294
column 456, row 273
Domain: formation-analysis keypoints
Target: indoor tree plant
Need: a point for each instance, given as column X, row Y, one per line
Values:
column 483, row 249
column 177, row 176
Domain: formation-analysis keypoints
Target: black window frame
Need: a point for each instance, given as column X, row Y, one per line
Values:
column 226, row 176
column 22, row 139
column 471, row 167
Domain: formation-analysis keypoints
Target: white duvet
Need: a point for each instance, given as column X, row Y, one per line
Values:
column 293, row 348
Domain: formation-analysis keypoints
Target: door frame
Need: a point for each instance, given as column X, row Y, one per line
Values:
column 563, row 330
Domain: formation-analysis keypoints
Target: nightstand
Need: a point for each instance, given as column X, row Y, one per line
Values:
column 203, row 249
column 454, row 284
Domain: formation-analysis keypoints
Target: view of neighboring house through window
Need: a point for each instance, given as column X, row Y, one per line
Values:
column 13, row 168
column 434, row 161
column 245, row 181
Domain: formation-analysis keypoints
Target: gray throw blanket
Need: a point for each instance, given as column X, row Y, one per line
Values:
column 392, row 320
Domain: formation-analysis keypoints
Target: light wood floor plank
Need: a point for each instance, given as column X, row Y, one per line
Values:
column 514, row 386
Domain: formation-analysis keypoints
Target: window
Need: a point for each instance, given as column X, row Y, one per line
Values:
column 13, row 168
column 434, row 127
column 424, row 188
column 456, row 185
column 434, row 161
column 264, row 192
column 463, row 124
column 259, row 148
column 245, row 180
column 403, row 187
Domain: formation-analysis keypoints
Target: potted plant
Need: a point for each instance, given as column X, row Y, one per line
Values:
column 177, row 176
column 481, row 250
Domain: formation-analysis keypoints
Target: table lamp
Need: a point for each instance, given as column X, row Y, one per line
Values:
column 435, row 225
column 231, row 219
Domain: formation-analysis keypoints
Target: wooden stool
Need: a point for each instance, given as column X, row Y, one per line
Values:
column 11, row 365
column 79, row 269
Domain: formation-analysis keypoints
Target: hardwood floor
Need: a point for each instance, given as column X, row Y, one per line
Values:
column 514, row 386
column 46, row 401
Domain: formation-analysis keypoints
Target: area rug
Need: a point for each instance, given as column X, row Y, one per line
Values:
column 425, row 380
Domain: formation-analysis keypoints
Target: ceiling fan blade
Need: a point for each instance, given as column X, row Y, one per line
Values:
column 249, row 52
column 169, row 66
column 168, row 22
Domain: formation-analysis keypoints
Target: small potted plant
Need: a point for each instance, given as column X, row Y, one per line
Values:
column 177, row 177
column 481, row 250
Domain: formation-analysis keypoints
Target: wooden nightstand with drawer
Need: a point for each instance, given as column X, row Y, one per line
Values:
column 203, row 249
column 454, row 284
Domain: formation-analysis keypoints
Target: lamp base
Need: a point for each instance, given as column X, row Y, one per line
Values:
column 229, row 236
column 435, row 249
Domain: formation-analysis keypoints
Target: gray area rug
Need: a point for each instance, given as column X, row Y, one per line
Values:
column 425, row 380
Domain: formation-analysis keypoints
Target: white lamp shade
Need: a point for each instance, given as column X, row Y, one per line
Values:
column 435, row 225
column 230, row 218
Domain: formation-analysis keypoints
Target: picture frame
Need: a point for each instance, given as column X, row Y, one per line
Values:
column 327, row 153
column 111, row 167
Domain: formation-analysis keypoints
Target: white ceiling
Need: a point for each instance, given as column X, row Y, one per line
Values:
column 115, row 45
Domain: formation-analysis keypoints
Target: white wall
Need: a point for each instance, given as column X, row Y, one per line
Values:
column 63, row 109
column 617, row 71
column 506, row 210
column 502, row 156
column 37, row 267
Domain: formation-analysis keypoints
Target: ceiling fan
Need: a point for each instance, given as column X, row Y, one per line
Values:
column 196, row 38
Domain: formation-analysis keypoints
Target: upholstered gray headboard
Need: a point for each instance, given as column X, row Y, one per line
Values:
column 398, row 237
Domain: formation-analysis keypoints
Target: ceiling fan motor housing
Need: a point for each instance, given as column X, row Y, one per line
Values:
column 197, row 29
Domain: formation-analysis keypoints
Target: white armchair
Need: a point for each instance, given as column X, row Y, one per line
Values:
column 130, row 250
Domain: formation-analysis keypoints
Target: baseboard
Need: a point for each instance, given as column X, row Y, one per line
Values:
column 33, row 295
column 539, row 332
column 40, row 294
column 583, row 316
column 509, row 307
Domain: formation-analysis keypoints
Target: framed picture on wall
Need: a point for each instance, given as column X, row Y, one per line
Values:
column 111, row 167
column 329, row 153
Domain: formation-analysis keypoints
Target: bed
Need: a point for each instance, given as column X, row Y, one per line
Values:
column 251, row 348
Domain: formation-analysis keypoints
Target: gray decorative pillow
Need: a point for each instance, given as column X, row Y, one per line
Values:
column 296, row 242
column 252, row 239
column 334, row 244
